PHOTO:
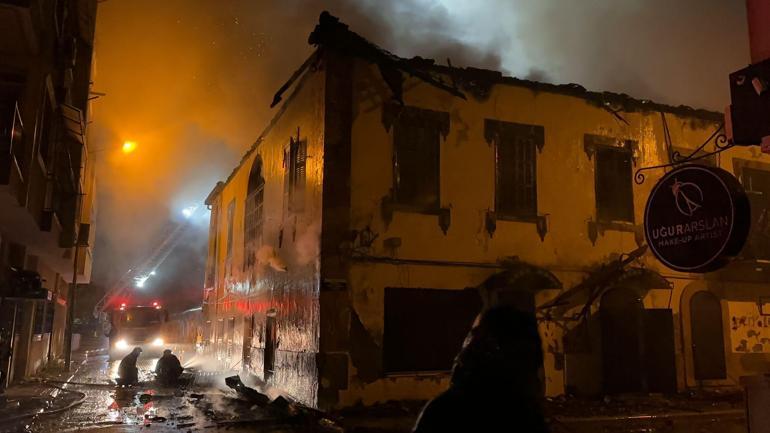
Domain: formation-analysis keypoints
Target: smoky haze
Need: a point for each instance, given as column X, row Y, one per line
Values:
column 190, row 81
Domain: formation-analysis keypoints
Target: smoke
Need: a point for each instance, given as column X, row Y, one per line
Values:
column 190, row 81
column 678, row 52
column 267, row 256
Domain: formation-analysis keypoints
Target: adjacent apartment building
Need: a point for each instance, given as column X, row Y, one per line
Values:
column 46, row 177
column 390, row 200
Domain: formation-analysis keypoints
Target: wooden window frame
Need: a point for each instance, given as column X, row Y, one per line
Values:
column 295, row 164
column 501, row 133
column 253, row 218
column 433, row 122
column 594, row 145
column 230, row 236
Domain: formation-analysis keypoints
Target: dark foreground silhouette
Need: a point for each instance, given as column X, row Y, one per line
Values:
column 495, row 385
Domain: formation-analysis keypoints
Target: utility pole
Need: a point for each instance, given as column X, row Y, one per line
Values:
column 73, row 287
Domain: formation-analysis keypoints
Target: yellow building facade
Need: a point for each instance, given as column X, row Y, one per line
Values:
column 390, row 200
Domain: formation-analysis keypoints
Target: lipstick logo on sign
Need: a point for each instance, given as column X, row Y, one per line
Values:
column 687, row 196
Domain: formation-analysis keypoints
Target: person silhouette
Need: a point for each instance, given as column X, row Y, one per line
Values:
column 495, row 384
column 128, row 374
column 168, row 369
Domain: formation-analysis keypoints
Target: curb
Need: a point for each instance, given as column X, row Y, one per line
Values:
column 691, row 414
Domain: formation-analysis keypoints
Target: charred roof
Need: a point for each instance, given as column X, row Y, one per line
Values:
column 332, row 33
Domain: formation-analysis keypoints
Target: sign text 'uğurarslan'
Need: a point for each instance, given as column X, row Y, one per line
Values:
column 696, row 218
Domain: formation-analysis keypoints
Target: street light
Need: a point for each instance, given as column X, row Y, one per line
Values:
column 189, row 211
column 128, row 147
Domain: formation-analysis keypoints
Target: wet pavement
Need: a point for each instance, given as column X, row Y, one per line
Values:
column 87, row 399
column 203, row 404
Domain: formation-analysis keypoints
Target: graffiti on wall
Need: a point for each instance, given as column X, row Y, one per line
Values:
column 749, row 330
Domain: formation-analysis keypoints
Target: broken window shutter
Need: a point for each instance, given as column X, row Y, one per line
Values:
column 516, row 192
column 614, row 193
column 625, row 188
column 287, row 178
column 253, row 224
column 506, row 181
column 604, row 180
column 299, row 170
column 416, row 164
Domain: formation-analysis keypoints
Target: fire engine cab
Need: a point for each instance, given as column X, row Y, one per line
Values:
column 137, row 326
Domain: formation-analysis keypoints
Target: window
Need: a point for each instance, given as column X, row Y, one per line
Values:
column 140, row 317
column 295, row 162
column 230, row 215
column 425, row 328
column 613, row 183
column 253, row 214
column 48, row 130
column 213, row 256
column 271, row 340
column 416, row 157
column 11, row 128
column 43, row 323
column 515, row 167
column 757, row 184
column 220, row 331
column 230, row 330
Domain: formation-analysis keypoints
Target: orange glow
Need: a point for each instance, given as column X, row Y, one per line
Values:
column 129, row 146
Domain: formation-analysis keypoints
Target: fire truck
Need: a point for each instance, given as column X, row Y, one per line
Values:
column 144, row 326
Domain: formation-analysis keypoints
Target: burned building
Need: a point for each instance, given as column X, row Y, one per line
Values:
column 46, row 176
column 391, row 199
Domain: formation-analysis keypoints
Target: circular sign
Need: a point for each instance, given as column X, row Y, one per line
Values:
column 697, row 218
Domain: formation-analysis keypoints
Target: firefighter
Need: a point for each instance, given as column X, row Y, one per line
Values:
column 128, row 374
column 168, row 369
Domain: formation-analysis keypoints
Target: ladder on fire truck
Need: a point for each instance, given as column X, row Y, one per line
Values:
column 136, row 276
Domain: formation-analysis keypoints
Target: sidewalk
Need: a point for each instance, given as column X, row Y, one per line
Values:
column 720, row 411
column 25, row 401
column 704, row 412
column 29, row 400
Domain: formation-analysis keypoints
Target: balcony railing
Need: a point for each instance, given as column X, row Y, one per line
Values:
column 11, row 143
column 64, row 183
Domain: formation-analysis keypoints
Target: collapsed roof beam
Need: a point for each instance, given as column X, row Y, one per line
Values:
column 330, row 32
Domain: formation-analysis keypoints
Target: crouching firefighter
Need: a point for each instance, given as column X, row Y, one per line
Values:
column 128, row 374
column 168, row 369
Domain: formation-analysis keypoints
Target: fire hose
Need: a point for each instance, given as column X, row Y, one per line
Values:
column 79, row 401
column 63, row 382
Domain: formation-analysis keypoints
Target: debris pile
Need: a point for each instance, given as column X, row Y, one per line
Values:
column 279, row 412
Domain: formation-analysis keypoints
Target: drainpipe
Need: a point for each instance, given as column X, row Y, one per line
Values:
column 71, row 292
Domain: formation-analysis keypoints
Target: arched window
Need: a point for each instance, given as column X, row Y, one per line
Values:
column 254, row 214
